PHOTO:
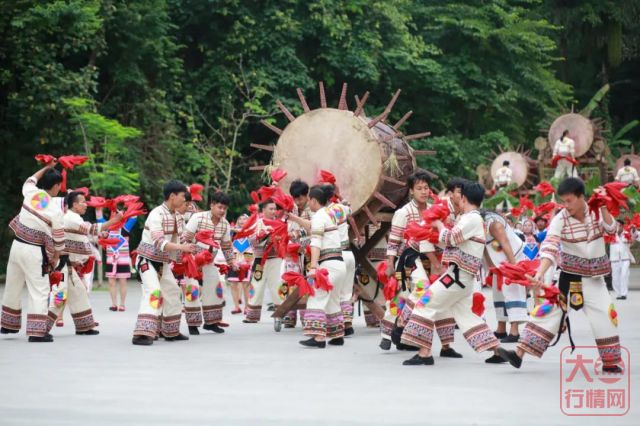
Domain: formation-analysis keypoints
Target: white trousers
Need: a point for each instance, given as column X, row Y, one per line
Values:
column 346, row 287
column 620, row 276
column 323, row 316
column 204, row 303
column 447, row 297
column 73, row 288
column 565, row 169
column 160, row 296
column 600, row 311
column 510, row 303
column 264, row 279
column 25, row 267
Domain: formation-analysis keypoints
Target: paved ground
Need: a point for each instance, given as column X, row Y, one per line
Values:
column 252, row 375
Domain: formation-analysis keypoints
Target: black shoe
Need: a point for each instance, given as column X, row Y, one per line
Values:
column 499, row 335
column 449, row 353
column 271, row 307
column 348, row 331
column 510, row 356
column 612, row 369
column 213, row 327
column 142, row 340
column 418, row 360
column 44, row 339
column 510, row 339
column 495, row 359
column 176, row 338
column 7, row 331
column 403, row 347
column 246, row 321
column 338, row 341
column 313, row 343
column 193, row 330
column 156, row 337
column 385, row 344
column 396, row 334
column 88, row 333
column 289, row 326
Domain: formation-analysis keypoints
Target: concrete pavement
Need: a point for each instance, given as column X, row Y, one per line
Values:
column 254, row 376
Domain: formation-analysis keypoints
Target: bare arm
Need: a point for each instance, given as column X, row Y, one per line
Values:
column 497, row 230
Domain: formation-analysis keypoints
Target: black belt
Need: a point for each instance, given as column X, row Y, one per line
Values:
column 564, row 284
column 43, row 250
column 408, row 258
column 339, row 258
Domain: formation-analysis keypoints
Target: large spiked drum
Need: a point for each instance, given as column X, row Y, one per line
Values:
column 518, row 163
column 369, row 158
column 580, row 128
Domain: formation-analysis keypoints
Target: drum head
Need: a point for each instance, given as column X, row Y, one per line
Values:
column 635, row 162
column 336, row 141
column 580, row 130
column 517, row 163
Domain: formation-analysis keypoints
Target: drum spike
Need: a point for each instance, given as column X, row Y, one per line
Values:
column 258, row 168
column 417, row 136
column 391, row 136
column 361, row 102
column 422, row 152
column 263, row 147
column 394, row 181
column 271, row 127
column 285, row 111
column 386, row 111
column 323, row 98
column 402, row 120
column 384, row 200
column 303, row 101
column 343, row 97
column 354, row 226
column 370, row 215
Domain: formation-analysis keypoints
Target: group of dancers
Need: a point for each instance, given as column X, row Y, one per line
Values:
column 438, row 252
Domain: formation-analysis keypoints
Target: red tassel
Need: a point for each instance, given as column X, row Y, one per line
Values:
column 390, row 288
column 190, row 266
column 178, row 269
column 322, row 280
column 478, row 304
column 87, row 268
column 223, row 268
column 203, row 258
column 515, row 274
column 54, row 278
column 243, row 270
column 63, row 185
column 206, row 237
column 381, row 269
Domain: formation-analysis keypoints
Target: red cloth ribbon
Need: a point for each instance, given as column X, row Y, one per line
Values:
column 438, row 211
column 495, row 272
column 178, row 269
column 284, row 201
column 133, row 210
column 108, row 242
column 277, row 175
column 126, row 199
column 68, row 162
column 556, row 158
column 206, row 237
column 327, row 177
column 191, row 267
column 381, row 270
column 44, row 158
column 544, row 188
column 83, row 190
column 613, row 201
column 296, row 279
column 515, row 274
column 101, row 203
column 293, row 250
column 195, row 189
column 390, row 288
column 418, row 232
column 545, row 208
